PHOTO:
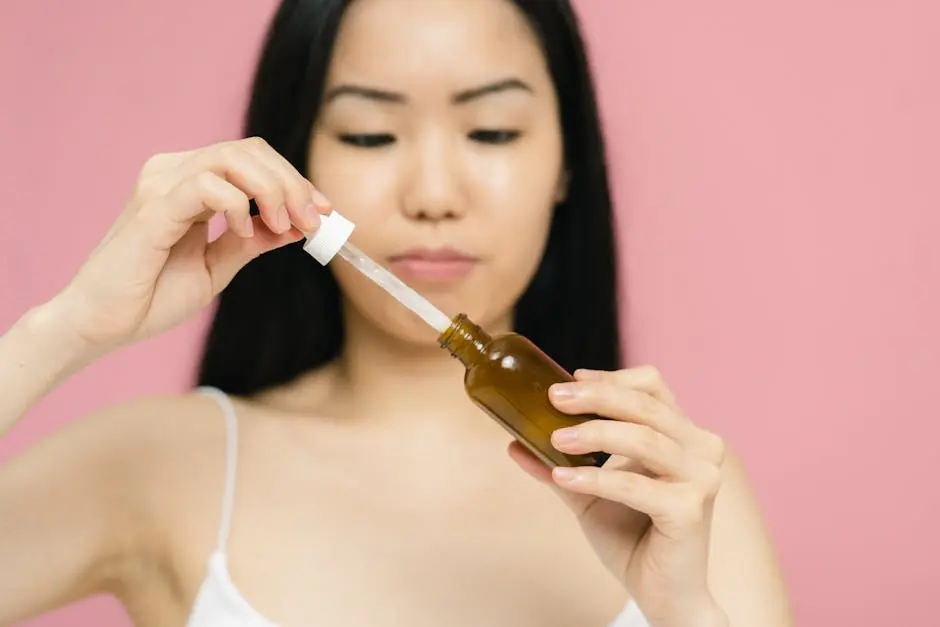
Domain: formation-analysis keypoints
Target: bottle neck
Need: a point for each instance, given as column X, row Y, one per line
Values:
column 465, row 340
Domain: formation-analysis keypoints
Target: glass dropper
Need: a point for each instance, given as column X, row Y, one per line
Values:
column 331, row 239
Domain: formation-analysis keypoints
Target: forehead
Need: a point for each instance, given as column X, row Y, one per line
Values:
column 417, row 45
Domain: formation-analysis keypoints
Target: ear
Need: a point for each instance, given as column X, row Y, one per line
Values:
column 561, row 190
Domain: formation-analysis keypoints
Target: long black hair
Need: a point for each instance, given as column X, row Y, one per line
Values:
column 281, row 315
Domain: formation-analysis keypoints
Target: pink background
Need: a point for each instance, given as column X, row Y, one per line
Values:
column 775, row 166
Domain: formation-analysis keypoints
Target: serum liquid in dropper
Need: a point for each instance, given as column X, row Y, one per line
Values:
column 507, row 376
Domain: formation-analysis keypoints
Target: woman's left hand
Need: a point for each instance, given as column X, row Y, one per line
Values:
column 647, row 512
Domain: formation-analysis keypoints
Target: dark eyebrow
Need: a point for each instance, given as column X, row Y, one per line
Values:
column 381, row 95
column 506, row 84
column 369, row 93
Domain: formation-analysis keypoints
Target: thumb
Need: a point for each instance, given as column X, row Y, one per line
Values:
column 231, row 252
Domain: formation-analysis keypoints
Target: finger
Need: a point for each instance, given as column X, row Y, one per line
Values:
column 304, row 202
column 647, row 379
column 192, row 244
column 244, row 170
column 639, row 443
column 634, row 490
column 228, row 254
column 620, row 403
column 166, row 220
column 675, row 505
column 671, row 506
column 643, row 378
column 162, row 163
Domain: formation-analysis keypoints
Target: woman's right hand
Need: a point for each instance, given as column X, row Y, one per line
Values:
column 156, row 266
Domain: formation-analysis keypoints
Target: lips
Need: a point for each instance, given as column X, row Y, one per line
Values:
column 426, row 265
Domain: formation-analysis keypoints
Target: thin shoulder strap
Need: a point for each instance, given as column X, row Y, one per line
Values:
column 231, row 461
column 631, row 616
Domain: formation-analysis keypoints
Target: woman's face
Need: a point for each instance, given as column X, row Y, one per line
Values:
column 439, row 137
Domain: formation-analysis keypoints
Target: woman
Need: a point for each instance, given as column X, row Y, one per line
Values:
column 331, row 470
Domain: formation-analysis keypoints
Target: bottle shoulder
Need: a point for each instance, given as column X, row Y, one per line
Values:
column 509, row 343
column 515, row 353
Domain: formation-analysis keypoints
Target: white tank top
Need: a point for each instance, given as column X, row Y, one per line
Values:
column 219, row 603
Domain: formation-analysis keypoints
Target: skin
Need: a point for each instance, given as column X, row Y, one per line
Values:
column 370, row 492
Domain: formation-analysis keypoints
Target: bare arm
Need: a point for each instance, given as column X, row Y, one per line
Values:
column 744, row 573
column 70, row 522
column 71, row 515
column 45, row 563
column 36, row 355
column 92, row 508
column 70, row 506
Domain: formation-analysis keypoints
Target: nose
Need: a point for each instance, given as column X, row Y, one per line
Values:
column 432, row 184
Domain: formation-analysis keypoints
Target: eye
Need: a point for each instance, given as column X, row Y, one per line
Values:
column 494, row 136
column 367, row 140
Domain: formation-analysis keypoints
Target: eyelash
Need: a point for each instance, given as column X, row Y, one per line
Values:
column 494, row 136
column 378, row 140
column 367, row 140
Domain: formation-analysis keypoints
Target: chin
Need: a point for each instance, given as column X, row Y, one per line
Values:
column 400, row 324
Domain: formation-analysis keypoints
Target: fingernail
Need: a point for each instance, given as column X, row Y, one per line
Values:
column 249, row 226
column 283, row 219
column 565, row 436
column 312, row 217
column 564, row 391
column 565, row 474
column 318, row 198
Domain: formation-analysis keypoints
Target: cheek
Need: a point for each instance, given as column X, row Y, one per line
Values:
column 517, row 235
column 521, row 245
column 359, row 183
column 521, row 200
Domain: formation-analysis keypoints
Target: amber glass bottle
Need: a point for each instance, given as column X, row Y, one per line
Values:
column 508, row 377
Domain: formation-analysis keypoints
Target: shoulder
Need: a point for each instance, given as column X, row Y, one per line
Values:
column 127, row 441
column 104, row 490
column 157, row 449
column 123, row 437
column 119, row 452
